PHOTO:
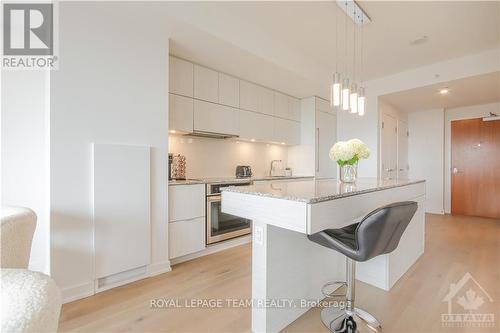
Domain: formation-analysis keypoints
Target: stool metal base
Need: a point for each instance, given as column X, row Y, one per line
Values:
column 341, row 320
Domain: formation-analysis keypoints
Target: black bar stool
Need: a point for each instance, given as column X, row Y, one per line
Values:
column 378, row 233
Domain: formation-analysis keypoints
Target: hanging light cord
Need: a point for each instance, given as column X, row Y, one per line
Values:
column 354, row 48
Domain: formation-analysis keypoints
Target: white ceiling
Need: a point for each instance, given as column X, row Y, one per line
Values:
column 474, row 90
column 298, row 38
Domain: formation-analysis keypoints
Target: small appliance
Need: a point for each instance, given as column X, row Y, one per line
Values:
column 243, row 171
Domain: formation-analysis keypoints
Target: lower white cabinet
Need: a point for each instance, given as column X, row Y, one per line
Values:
column 215, row 118
column 286, row 131
column 256, row 126
column 180, row 113
column 186, row 237
column 186, row 216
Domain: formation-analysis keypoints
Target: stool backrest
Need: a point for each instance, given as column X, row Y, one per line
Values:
column 380, row 231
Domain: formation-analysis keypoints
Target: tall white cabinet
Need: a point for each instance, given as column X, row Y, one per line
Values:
column 318, row 133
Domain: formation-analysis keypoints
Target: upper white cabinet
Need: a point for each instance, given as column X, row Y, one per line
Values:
column 215, row 118
column 266, row 101
column 229, row 90
column 280, row 105
column 180, row 113
column 287, row 131
column 180, row 77
column 256, row 126
column 323, row 105
column 206, row 84
column 249, row 96
column 294, row 108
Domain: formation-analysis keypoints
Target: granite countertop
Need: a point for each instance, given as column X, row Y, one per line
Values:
column 314, row 190
column 223, row 180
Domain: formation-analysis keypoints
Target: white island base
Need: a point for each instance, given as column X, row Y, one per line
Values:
column 288, row 270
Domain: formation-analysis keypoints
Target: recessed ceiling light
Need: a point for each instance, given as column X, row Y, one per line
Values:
column 444, row 91
column 419, row 40
column 172, row 131
column 253, row 140
column 282, row 143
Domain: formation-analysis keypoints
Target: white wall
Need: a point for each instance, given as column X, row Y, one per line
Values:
column 366, row 128
column 111, row 87
column 25, row 149
column 207, row 157
column 467, row 112
column 426, row 155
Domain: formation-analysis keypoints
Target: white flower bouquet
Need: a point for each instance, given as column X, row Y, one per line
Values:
column 349, row 152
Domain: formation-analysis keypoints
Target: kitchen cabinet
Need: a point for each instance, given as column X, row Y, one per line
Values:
column 206, row 84
column 180, row 77
column 186, row 237
column 326, row 130
column 318, row 133
column 253, row 125
column 266, row 101
column 186, row 202
column 294, row 108
column 249, row 96
column 215, row 118
column 286, row 131
column 186, row 228
column 229, row 90
column 280, row 105
column 180, row 113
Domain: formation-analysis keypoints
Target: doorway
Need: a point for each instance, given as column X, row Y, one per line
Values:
column 475, row 168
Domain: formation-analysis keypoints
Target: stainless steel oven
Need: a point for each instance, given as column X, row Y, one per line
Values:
column 222, row 226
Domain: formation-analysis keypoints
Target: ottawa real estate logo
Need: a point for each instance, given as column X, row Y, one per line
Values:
column 28, row 36
column 469, row 305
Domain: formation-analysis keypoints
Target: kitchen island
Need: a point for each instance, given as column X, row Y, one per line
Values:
column 288, row 270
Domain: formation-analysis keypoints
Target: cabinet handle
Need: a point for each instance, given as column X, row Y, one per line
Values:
column 317, row 149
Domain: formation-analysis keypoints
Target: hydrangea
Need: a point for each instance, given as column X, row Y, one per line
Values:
column 349, row 152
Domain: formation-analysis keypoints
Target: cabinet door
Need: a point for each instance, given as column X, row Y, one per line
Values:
column 215, row 118
column 326, row 136
column 180, row 113
column 266, row 101
column 294, row 108
column 186, row 202
column 229, row 90
column 186, row 237
column 206, row 84
column 323, row 105
column 256, row 126
column 180, row 77
column 286, row 131
column 249, row 96
column 280, row 105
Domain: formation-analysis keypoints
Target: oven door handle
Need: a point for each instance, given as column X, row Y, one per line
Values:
column 213, row 198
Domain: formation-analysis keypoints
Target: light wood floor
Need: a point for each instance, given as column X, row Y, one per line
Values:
column 454, row 246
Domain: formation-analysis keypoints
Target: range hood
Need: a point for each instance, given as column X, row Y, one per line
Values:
column 212, row 135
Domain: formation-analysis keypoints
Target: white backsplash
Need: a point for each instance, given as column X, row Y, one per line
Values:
column 207, row 157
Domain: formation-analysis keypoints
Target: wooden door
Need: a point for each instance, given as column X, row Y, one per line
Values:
column 475, row 168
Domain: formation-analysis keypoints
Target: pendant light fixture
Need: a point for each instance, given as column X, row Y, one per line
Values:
column 345, row 83
column 361, row 95
column 353, row 98
column 335, row 91
column 346, row 96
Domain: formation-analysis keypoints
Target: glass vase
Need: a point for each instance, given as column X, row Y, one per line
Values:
column 349, row 173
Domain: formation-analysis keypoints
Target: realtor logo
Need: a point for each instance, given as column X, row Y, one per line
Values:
column 472, row 300
column 28, row 36
column 28, row 29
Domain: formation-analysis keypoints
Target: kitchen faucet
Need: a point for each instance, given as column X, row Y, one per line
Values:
column 271, row 171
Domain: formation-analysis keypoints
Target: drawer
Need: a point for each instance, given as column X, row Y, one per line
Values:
column 186, row 237
column 186, row 202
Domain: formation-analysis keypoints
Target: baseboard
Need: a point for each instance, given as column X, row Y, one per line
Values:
column 213, row 249
column 77, row 292
column 159, row 268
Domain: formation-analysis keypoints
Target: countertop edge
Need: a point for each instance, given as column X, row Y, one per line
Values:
column 238, row 189
column 231, row 180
